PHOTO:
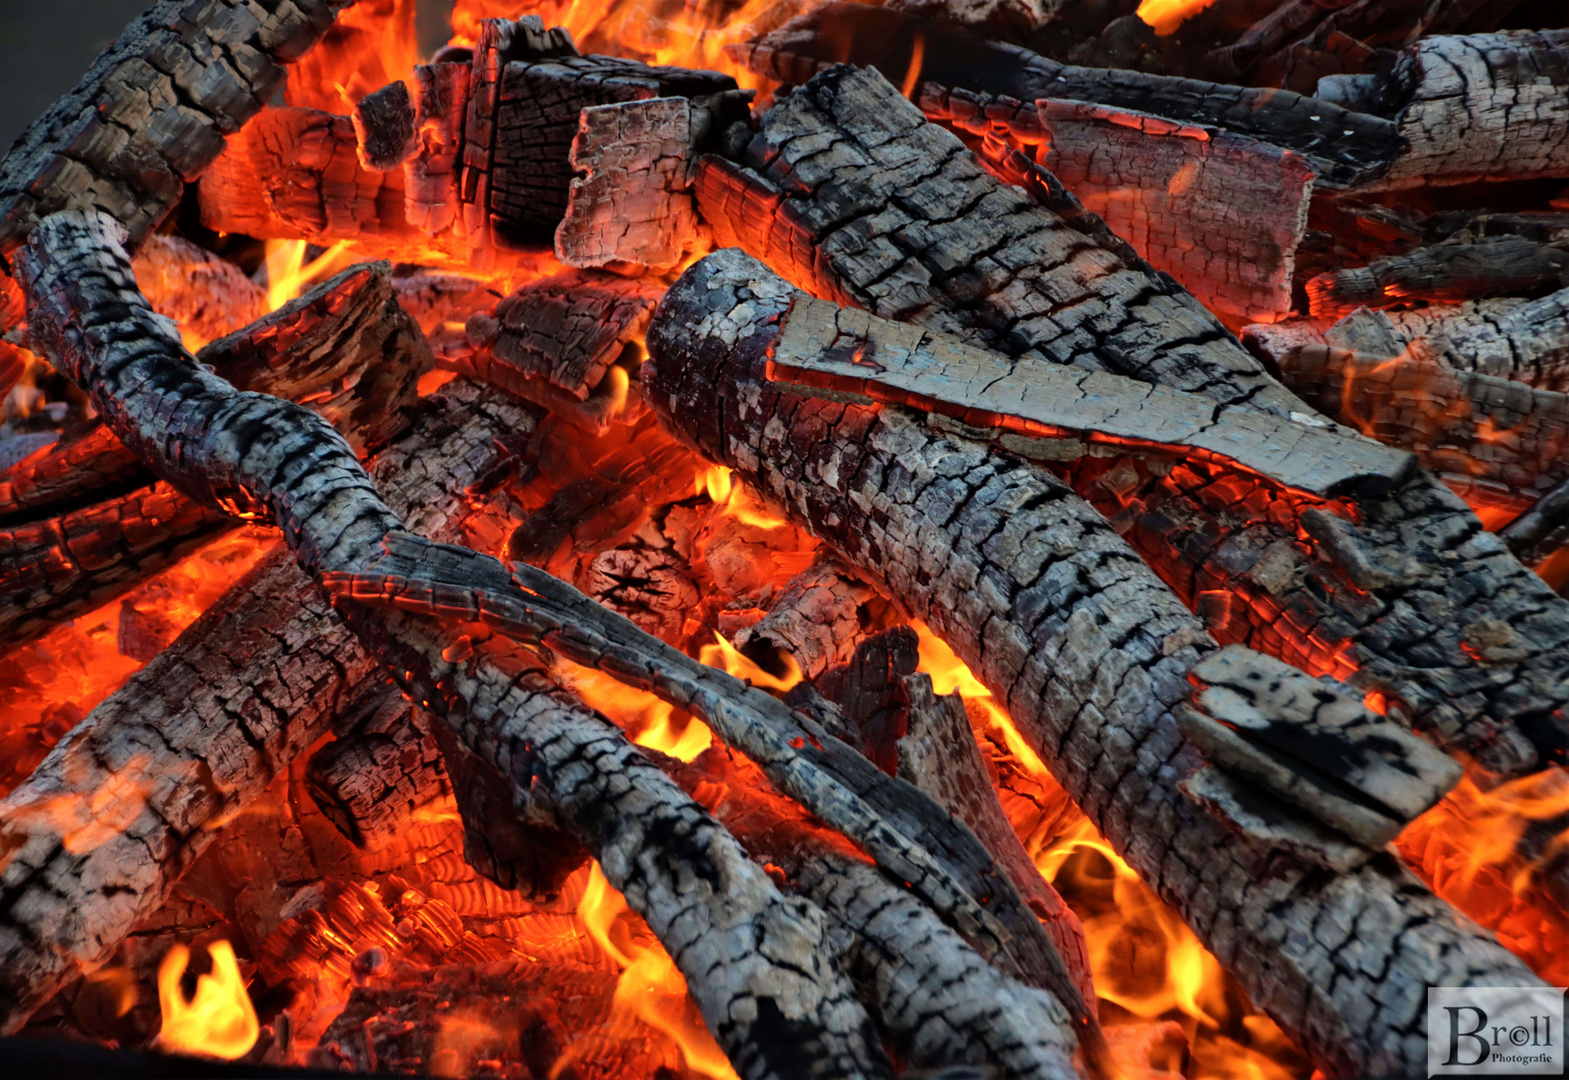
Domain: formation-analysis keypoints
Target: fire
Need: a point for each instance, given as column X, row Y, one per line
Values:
column 1502, row 857
column 219, row 1021
column 650, row 988
column 1164, row 16
column 288, row 273
column 734, row 499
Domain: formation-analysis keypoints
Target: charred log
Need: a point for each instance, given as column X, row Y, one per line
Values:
column 1069, row 627
column 1452, row 271
column 154, row 109
column 817, row 619
column 209, row 297
column 909, row 227
column 384, row 124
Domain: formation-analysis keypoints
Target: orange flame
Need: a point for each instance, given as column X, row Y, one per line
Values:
column 288, row 273
column 650, row 988
column 1164, row 16
column 219, row 1021
column 736, row 499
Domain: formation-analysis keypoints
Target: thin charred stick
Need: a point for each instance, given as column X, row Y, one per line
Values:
column 1342, row 146
column 718, row 915
column 939, row 1001
column 900, row 220
column 1089, row 651
column 202, row 731
column 1495, row 266
column 817, row 619
column 154, row 109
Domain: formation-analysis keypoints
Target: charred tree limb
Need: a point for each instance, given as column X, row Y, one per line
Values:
column 1449, row 272
column 207, row 296
column 896, row 217
column 1088, row 650
column 154, row 109
column 1342, row 146
column 817, row 620
column 717, row 914
column 200, row 732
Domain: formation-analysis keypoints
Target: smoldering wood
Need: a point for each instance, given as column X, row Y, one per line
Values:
column 1481, row 427
column 207, row 296
column 574, row 771
column 566, row 329
column 1313, row 744
column 817, row 619
column 869, row 692
column 652, row 587
column 86, row 462
column 1342, row 146
column 432, row 296
column 384, row 124
column 1480, row 106
column 941, row 1004
column 1450, row 271
column 430, row 176
column 1542, row 529
column 1268, row 823
column 938, row 754
column 201, row 732
column 1222, row 213
column 1089, row 651
column 847, row 350
column 1003, row 273
column 1528, row 343
column 374, row 775
column 154, row 110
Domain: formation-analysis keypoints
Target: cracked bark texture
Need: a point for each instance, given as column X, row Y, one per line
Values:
column 201, row 731
column 1453, row 271
column 1088, row 651
column 846, row 191
column 154, row 109
column 817, row 619
column 759, row 965
column 1342, row 146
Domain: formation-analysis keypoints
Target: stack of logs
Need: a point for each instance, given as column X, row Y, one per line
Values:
column 1060, row 333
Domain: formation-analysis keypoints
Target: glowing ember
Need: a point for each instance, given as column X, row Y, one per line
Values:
column 1164, row 16
column 219, row 1021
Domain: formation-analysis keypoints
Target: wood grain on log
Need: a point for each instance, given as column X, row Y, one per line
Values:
column 817, row 619
column 154, row 109
column 1341, row 145
column 1087, row 649
column 1450, row 272
column 847, row 350
column 1482, row 106
column 896, row 217
column 750, row 956
column 377, row 772
column 201, row 731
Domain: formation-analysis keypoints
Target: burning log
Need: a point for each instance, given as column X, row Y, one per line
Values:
column 209, row 297
column 581, row 774
column 384, row 124
column 345, row 348
column 1450, row 271
column 154, row 109
column 817, row 619
column 1089, row 650
column 369, row 779
column 1000, row 272
column 200, row 733
column 1342, row 146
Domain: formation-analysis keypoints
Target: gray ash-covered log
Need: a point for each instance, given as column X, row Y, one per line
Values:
column 817, row 620
column 1089, row 651
column 899, row 219
column 1451, row 271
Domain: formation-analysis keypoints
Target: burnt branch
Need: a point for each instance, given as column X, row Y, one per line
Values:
column 817, row 619
column 1457, row 270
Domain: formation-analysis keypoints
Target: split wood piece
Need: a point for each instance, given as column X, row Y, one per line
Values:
column 154, row 109
column 207, row 296
column 1481, row 106
column 869, row 693
column 430, row 177
column 1086, row 649
column 631, row 206
column 938, row 754
column 517, row 169
column 1313, row 744
column 1258, row 815
column 1221, row 213
column 1449, row 272
column 897, row 218
column 845, row 350
column 1485, row 428
column 940, row 1003
column 608, row 504
column 345, row 347
column 295, row 174
column 1342, row 146
column 374, row 776
column 201, row 732
column 750, row 956
column 565, row 330
column 1541, row 530
column 384, row 125
column 817, row 620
